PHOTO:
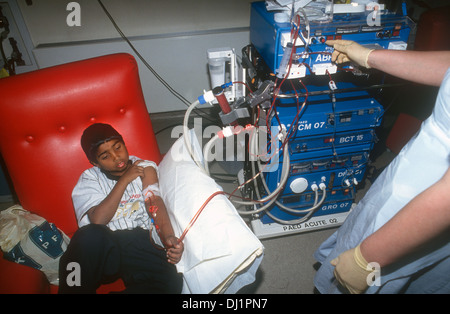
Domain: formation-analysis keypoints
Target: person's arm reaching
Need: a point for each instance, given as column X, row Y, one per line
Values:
column 424, row 67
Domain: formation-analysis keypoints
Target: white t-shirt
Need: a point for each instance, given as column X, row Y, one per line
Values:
column 94, row 186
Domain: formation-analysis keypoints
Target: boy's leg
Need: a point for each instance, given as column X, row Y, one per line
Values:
column 145, row 268
column 97, row 259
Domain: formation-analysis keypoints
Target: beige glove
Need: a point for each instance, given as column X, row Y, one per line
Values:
column 347, row 50
column 351, row 270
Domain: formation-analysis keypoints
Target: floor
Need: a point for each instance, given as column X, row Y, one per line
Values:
column 288, row 266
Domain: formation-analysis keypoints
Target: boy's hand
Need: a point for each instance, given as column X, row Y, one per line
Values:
column 133, row 172
column 174, row 249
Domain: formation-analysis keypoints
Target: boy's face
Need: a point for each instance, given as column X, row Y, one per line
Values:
column 112, row 156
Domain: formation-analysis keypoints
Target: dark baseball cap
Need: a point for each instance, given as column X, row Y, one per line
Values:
column 95, row 135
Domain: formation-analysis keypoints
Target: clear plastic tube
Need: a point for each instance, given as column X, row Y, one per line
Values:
column 283, row 180
column 186, row 135
column 272, row 197
column 207, row 150
column 282, row 69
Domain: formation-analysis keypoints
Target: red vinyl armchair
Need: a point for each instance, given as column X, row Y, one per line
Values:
column 42, row 116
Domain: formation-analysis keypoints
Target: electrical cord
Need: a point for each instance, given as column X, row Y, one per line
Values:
column 167, row 85
column 152, row 70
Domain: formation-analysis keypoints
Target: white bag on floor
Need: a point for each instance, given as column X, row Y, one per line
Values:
column 30, row 240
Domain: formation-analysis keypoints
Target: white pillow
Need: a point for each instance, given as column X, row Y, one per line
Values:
column 219, row 245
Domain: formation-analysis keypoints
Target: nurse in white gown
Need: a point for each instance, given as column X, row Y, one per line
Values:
column 402, row 225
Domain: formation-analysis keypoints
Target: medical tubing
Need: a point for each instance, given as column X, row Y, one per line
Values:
column 308, row 28
column 268, row 191
column 186, row 135
column 304, row 218
column 285, row 60
column 308, row 211
column 296, row 211
column 292, row 210
column 339, row 91
column 283, row 180
column 194, row 219
column 222, row 100
column 207, row 151
column 273, row 196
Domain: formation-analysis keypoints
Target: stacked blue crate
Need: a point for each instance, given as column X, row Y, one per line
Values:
column 335, row 132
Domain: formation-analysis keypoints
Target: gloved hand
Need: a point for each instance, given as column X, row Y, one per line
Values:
column 347, row 50
column 351, row 270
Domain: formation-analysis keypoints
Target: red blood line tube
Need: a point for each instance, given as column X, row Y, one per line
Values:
column 223, row 102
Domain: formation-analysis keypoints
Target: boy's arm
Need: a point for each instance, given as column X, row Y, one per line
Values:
column 105, row 211
column 161, row 218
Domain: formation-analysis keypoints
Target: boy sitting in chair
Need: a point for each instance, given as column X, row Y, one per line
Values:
column 121, row 215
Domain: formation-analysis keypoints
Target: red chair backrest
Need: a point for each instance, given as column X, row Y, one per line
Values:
column 43, row 114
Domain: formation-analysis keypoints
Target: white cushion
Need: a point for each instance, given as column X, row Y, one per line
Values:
column 219, row 247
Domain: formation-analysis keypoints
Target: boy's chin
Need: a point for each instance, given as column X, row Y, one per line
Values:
column 120, row 171
column 117, row 173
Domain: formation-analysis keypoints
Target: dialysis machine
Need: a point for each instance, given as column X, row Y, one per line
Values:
column 318, row 119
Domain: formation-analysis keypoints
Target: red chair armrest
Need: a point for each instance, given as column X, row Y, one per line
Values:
column 20, row 279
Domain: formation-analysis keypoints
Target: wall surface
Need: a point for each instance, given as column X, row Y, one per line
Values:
column 171, row 35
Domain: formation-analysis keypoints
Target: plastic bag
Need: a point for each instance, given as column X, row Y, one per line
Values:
column 30, row 240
